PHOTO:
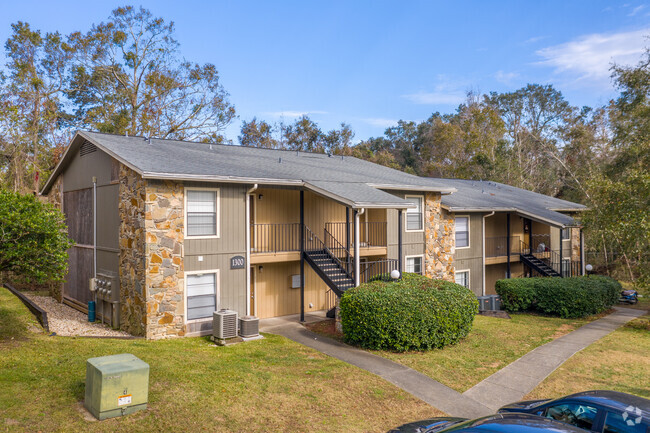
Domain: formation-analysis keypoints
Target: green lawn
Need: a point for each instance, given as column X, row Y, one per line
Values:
column 619, row 361
column 491, row 345
column 267, row 385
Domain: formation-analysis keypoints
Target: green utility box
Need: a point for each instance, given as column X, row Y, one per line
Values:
column 116, row 385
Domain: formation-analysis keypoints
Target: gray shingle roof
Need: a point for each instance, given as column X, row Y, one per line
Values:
column 474, row 195
column 346, row 179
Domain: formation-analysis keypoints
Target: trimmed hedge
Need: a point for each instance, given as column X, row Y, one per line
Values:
column 565, row 297
column 414, row 313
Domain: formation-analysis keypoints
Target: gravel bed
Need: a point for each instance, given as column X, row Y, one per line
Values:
column 67, row 321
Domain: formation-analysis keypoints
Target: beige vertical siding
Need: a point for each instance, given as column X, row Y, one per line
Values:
column 498, row 272
column 274, row 295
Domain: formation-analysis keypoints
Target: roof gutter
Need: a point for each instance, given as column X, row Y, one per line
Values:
column 483, row 243
column 515, row 210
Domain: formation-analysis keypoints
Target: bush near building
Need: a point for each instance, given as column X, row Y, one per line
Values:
column 564, row 297
column 414, row 313
column 33, row 239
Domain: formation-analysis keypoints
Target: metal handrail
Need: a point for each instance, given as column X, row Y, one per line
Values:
column 552, row 259
column 496, row 246
column 380, row 268
column 371, row 234
column 273, row 238
column 314, row 243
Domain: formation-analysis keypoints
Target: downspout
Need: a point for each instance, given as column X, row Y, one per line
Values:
column 95, row 242
column 248, row 249
column 357, row 263
column 483, row 254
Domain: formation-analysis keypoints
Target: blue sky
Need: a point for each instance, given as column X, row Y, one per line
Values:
column 371, row 63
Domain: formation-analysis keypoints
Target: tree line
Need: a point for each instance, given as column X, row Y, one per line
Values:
column 127, row 75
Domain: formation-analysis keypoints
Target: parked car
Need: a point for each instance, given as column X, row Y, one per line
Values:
column 498, row 423
column 596, row 411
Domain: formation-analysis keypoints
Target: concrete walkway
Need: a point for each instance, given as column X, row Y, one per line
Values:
column 417, row 384
column 514, row 381
column 505, row 386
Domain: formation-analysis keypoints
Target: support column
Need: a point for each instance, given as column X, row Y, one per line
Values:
column 347, row 234
column 508, row 273
column 357, row 265
column 530, row 236
column 582, row 252
column 399, row 242
column 561, row 248
column 302, row 255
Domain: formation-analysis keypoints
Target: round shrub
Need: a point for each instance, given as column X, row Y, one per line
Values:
column 414, row 313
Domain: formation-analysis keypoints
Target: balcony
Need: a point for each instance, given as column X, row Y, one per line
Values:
column 281, row 242
column 373, row 238
column 496, row 249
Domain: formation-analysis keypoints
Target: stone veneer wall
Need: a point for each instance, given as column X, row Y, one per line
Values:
column 151, row 256
column 575, row 244
column 164, row 223
column 55, row 197
column 439, row 239
column 132, row 261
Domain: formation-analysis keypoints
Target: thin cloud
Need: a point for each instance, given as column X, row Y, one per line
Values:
column 380, row 122
column 636, row 10
column 293, row 114
column 506, row 77
column 589, row 58
column 534, row 39
column 445, row 92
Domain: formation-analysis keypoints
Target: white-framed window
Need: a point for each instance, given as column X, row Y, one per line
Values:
column 201, row 294
column 462, row 231
column 202, row 212
column 414, row 216
column 566, row 234
column 414, row 264
column 462, row 277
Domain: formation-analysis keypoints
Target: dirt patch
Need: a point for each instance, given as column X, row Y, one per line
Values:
column 562, row 330
column 327, row 328
column 66, row 321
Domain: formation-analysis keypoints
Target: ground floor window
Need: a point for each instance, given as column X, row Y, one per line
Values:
column 462, row 278
column 201, row 295
column 414, row 264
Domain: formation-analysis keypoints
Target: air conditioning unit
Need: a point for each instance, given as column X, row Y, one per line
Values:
column 249, row 326
column 224, row 324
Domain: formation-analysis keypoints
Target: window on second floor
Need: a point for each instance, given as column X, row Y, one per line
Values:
column 202, row 212
column 462, row 232
column 414, row 220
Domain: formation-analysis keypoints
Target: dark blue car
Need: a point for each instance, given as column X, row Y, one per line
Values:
column 595, row 411
column 499, row 423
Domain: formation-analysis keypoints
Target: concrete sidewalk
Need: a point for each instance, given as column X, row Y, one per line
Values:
column 417, row 384
column 514, row 381
column 508, row 385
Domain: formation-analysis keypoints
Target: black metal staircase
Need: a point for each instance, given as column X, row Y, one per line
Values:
column 528, row 257
column 335, row 273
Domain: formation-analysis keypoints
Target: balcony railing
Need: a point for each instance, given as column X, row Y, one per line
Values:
column 273, row 238
column 497, row 246
column 378, row 270
column 371, row 234
column 565, row 266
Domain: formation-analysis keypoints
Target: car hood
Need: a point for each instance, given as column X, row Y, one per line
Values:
column 427, row 425
column 522, row 405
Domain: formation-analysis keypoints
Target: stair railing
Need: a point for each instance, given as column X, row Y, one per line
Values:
column 314, row 243
column 340, row 252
